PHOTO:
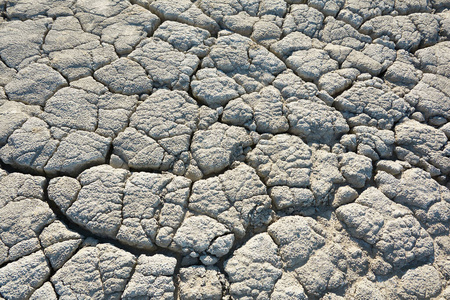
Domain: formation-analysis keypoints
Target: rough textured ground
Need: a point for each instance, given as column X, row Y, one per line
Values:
column 224, row 149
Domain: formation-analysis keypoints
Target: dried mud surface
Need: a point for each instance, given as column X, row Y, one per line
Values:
column 224, row 149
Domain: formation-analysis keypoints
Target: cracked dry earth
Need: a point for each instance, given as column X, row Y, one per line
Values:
column 224, row 149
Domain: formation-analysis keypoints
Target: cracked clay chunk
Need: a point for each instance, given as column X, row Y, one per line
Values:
column 152, row 278
column 59, row 243
column 92, row 14
column 435, row 59
column 219, row 10
column 25, row 215
column 75, row 58
column 12, row 116
column 297, row 239
column 236, row 198
column 98, row 206
column 356, row 12
column 263, row 111
column 214, row 88
column 184, row 11
column 34, row 84
column 314, row 121
column 200, row 282
column 365, row 289
column 414, row 188
column 288, row 287
column 323, row 272
column 166, row 66
column 282, row 160
column 371, row 103
column 46, row 291
column 16, row 186
column 311, row 64
column 78, row 151
column 184, row 37
column 337, row 81
column 30, row 146
column 421, row 145
column 241, row 58
column 19, row 279
column 26, row 9
column 421, row 283
column 407, row 32
column 356, row 169
column 72, row 108
column 166, row 114
column 128, row 28
column 20, row 42
column 370, row 142
column 159, row 132
column 388, row 226
column 431, row 96
column 362, row 62
column 114, row 112
column 254, row 269
column 140, row 209
column 423, row 195
column 304, row 19
column 325, row 175
column 21, row 226
column 96, row 272
column 218, row 147
column 137, row 150
column 153, row 208
column 338, row 32
column 292, row 42
column 124, row 76
column 197, row 234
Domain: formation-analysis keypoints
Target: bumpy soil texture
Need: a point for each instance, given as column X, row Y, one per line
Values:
column 224, row 149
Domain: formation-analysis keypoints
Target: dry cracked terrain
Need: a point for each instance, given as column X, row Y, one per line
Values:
column 224, row 149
